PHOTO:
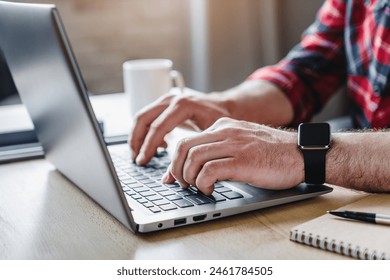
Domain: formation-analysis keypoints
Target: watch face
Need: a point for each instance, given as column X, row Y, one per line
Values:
column 313, row 134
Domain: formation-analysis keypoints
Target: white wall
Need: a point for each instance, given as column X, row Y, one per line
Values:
column 231, row 38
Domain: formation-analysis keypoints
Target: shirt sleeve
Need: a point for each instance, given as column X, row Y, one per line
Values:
column 316, row 68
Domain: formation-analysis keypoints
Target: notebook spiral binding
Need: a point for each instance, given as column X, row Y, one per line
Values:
column 335, row 246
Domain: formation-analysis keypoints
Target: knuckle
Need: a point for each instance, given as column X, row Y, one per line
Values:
column 209, row 169
column 224, row 120
column 230, row 131
column 154, row 127
column 182, row 101
column 193, row 154
column 182, row 146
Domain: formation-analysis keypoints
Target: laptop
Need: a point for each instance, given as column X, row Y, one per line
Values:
column 51, row 87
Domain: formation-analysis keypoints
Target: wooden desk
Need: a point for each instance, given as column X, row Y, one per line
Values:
column 44, row 216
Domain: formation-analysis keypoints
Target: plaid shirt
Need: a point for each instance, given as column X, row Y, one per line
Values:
column 349, row 43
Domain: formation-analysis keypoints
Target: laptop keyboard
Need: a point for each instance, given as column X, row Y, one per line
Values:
column 143, row 184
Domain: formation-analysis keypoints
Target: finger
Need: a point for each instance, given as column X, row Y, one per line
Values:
column 213, row 171
column 160, row 127
column 163, row 144
column 140, row 128
column 198, row 155
column 143, row 120
column 182, row 149
column 167, row 178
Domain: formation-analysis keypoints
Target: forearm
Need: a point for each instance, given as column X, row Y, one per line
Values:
column 360, row 161
column 257, row 101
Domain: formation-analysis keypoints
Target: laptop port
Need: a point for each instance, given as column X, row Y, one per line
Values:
column 179, row 222
column 199, row 218
column 215, row 215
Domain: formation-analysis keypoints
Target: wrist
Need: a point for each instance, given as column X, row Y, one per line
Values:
column 298, row 161
column 338, row 160
column 224, row 101
column 259, row 102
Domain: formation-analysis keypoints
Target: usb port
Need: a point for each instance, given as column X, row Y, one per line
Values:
column 215, row 215
column 179, row 222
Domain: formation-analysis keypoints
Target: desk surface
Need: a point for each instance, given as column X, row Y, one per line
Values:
column 44, row 216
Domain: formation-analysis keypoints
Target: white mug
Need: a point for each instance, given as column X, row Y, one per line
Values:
column 147, row 79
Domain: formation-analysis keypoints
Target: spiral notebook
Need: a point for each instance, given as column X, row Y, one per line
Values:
column 356, row 239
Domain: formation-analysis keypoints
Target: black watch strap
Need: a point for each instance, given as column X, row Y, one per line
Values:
column 314, row 166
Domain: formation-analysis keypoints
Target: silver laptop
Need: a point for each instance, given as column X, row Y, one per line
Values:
column 50, row 84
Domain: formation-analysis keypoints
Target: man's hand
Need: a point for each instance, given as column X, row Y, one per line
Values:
column 155, row 121
column 238, row 151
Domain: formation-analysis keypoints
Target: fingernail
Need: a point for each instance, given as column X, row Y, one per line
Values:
column 140, row 158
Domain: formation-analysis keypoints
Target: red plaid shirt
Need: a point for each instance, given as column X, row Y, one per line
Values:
column 349, row 43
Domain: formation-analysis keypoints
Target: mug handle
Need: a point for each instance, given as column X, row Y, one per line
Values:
column 178, row 80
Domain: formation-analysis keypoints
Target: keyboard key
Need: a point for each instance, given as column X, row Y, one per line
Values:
column 168, row 207
column 132, row 193
column 133, row 173
column 167, row 192
column 198, row 199
column 147, row 181
column 223, row 189
column 174, row 186
column 183, row 203
column 154, row 197
column 232, row 195
column 141, row 189
column 161, row 202
column 155, row 185
column 217, row 197
column 194, row 189
column 155, row 209
column 129, row 192
column 136, row 196
column 185, row 192
column 128, row 181
column 128, row 168
column 148, row 193
column 140, row 177
column 161, row 189
column 174, row 197
column 148, row 204
column 122, row 175
column 135, row 185
column 142, row 200
column 126, row 188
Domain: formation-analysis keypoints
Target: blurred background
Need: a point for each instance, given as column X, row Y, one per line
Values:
column 216, row 44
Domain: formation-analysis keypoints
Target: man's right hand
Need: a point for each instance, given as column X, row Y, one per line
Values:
column 156, row 120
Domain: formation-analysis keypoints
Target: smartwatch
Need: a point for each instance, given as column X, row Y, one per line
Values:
column 314, row 142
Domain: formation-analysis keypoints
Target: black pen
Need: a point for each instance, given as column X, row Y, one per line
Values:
column 362, row 216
